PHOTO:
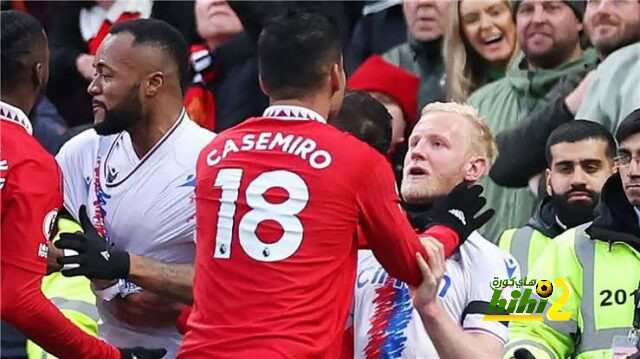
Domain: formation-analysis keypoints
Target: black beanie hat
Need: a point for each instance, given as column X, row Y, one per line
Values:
column 577, row 6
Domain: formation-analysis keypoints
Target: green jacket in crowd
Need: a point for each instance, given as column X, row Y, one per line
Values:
column 503, row 104
column 72, row 295
column 423, row 59
column 527, row 243
column 601, row 262
column 615, row 91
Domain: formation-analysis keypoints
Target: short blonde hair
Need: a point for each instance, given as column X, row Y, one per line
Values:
column 484, row 139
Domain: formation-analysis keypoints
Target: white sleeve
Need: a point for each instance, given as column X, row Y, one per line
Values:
column 73, row 158
column 493, row 262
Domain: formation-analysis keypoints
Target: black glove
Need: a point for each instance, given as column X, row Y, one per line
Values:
column 142, row 353
column 96, row 259
column 523, row 354
column 458, row 211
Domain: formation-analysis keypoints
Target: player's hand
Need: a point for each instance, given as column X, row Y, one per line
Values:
column 95, row 258
column 458, row 210
column 142, row 353
column 52, row 258
column 426, row 295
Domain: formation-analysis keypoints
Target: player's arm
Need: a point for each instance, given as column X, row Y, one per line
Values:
column 391, row 236
column 27, row 208
column 169, row 279
column 451, row 341
column 26, row 308
column 448, row 337
column 97, row 260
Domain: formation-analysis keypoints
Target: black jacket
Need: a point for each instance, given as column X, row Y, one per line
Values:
column 616, row 220
column 375, row 34
column 544, row 219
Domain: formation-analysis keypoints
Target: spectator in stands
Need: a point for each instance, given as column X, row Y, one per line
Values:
column 615, row 91
column 549, row 34
column 614, row 28
column 76, row 35
column 580, row 156
column 479, row 44
column 225, row 88
column 614, row 94
column 421, row 53
column 380, row 28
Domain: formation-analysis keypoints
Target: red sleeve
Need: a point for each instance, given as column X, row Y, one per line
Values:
column 183, row 318
column 31, row 197
column 389, row 233
column 26, row 308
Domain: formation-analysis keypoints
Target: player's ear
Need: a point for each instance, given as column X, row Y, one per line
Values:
column 547, row 178
column 153, row 83
column 262, row 87
column 337, row 78
column 38, row 75
column 476, row 168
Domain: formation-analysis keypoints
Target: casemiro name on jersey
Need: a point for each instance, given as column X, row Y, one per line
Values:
column 300, row 146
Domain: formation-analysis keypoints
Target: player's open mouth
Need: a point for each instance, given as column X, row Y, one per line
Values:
column 417, row 172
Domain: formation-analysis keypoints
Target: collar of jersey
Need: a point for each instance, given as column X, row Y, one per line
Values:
column 285, row 112
column 180, row 120
column 15, row 115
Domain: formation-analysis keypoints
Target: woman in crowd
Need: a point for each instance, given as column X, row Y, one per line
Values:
column 479, row 44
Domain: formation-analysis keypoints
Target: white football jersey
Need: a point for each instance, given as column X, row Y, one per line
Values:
column 385, row 324
column 144, row 206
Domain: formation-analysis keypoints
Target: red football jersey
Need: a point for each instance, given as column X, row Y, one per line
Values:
column 278, row 200
column 31, row 190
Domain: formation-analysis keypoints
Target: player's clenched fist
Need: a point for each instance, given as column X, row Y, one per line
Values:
column 96, row 258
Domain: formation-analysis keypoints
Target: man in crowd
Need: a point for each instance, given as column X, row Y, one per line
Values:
column 31, row 199
column 131, row 177
column 601, row 263
column 449, row 145
column 614, row 29
column 549, row 34
column 610, row 25
column 580, row 156
column 421, row 53
column 281, row 196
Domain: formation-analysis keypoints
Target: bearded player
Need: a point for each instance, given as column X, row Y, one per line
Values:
column 31, row 197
